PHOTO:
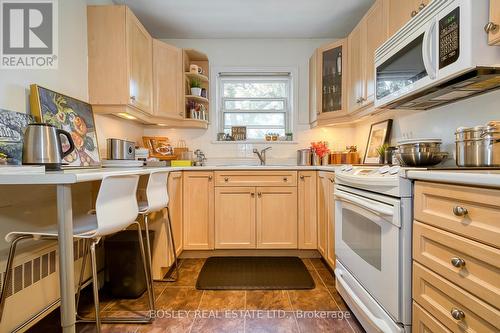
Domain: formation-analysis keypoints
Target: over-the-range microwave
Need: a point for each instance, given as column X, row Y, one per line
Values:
column 440, row 56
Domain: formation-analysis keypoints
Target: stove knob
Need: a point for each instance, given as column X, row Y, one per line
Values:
column 394, row 169
column 384, row 169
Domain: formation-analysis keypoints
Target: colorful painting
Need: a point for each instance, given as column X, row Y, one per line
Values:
column 73, row 116
column 12, row 126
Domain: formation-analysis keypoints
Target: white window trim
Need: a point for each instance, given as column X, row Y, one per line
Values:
column 216, row 94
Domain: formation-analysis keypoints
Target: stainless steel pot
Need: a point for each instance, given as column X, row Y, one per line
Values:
column 478, row 146
column 304, row 156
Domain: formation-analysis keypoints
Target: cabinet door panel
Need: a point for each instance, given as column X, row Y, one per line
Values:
column 356, row 67
column 140, row 64
column 175, row 206
column 494, row 34
column 167, row 72
column 324, row 181
column 234, row 217
column 376, row 34
column 198, row 210
column 330, row 228
column 276, row 217
column 308, row 233
column 399, row 13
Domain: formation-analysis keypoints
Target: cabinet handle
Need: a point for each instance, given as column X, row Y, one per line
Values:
column 331, row 179
column 285, row 179
column 460, row 211
column 226, row 179
column 490, row 26
column 132, row 98
column 457, row 314
column 259, row 194
column 302, row 177
column 252, row 194
column 458, row 262
column 209, row 178
column 421, row 6
column 413, row 13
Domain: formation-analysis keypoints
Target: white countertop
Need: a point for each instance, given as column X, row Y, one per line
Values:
column 85, row 175
column 486, row 178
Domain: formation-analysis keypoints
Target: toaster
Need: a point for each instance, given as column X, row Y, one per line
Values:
column 118, row 149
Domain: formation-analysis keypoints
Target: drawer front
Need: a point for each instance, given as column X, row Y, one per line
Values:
column 424, row 322
column 467, row 211
column 444, row 299
column 471, row 265
column 256, row 178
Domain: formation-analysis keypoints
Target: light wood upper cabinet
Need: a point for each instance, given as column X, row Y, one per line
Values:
column 235, row 217
column 175, row 206
column 276, row 217
column 120, row 60
column 198, row 210
column 494, row 23
column 168, row 80
column 140, row 61
column 357, row 46
column 368, row 35
column 401, row 11
column 307, row 210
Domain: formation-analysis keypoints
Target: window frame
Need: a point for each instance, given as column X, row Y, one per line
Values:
column 257, row 75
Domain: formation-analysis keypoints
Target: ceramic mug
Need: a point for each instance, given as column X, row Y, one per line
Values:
column 194, row 69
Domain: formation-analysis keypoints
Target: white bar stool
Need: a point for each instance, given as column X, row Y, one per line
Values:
column 156, row 200
column 116, row 209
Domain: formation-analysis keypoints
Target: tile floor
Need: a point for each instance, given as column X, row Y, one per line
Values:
column 182, row 308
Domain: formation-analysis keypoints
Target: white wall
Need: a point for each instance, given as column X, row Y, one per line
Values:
column 258, row 53
column 437, row 123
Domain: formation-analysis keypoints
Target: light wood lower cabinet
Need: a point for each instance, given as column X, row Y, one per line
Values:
column 307, row 210
column 424, row 322
column 276, row 217
column 326, row 217
column 175, row 206
column 198, row 210
column 235, row 217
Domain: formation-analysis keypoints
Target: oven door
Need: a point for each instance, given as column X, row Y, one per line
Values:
column 367, row 243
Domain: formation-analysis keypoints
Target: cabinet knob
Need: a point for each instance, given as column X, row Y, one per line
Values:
column 302, row 177
column 457, row 314
column 331, row 179
column 413, row 13
column 209, row 177
column 252, row 194
column 259, row 194
column 226, row 179
column 458, row 262
column 460, row 211
column 490, row 26
column 285, row 179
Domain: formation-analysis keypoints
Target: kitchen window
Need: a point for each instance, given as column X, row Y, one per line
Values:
column 259, row 101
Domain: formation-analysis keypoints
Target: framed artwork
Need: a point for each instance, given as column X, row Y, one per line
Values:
column 73, row 116
column 12, row 126
column 239, row 132
column 380, row 134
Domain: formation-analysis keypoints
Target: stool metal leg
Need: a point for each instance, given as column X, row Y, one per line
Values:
column 144, row 263
column 8, row 270
column 174, row 252
column 95, row 285
column 149, row 278
column 82, row 271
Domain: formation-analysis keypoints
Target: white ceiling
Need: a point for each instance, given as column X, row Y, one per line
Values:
column 248, row 18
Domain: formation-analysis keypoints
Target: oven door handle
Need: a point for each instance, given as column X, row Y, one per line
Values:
column 379, row 209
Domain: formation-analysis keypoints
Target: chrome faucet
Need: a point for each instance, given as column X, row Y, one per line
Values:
column 261, row 155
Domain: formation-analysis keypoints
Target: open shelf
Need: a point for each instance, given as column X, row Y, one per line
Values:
column 197, row 98
column 200, row 77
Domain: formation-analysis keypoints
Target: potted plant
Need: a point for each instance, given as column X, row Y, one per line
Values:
column 381, row 153
column 195, row 87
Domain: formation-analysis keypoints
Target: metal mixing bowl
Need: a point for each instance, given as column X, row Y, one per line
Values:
column 421, row 159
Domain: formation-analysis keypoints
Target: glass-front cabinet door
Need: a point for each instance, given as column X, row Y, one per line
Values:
column 333, row 59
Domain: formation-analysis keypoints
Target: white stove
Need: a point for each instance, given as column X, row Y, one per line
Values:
column 373, row 219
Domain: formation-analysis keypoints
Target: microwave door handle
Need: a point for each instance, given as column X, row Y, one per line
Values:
column 428, row 52
column 365, row 204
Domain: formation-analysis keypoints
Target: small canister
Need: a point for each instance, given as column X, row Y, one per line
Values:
column 304, row 156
